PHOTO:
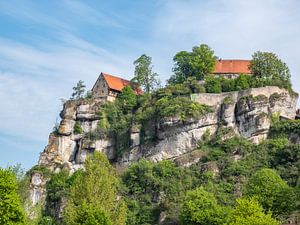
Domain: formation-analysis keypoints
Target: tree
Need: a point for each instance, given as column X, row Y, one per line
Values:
column 11, row 211
column 143, row 74
column 93, row 195
column 267, row 67
column 271, row 191
column 201, row 207
column 79, row 90
column 198, row 63
column 249, row 212
column 213, row 84
column 127, row 99
column 242, row 82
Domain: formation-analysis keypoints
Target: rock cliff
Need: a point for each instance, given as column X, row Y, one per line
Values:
column 246, row 113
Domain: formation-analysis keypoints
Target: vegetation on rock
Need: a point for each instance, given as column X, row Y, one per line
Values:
column 143, row 75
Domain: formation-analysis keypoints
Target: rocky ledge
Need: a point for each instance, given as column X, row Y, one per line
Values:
column 245, row 113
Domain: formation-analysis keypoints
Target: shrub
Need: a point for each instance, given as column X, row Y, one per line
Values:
column 213, row 84
column 77, row 128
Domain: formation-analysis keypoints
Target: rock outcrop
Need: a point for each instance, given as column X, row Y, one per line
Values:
column 246, row 113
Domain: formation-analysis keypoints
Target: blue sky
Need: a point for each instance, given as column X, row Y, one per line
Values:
column 47, row 46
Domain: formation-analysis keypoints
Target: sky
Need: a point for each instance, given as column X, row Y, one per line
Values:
column 47, row 46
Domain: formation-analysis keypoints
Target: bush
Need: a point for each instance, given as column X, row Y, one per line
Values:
column 213, row 84
column 77, row 128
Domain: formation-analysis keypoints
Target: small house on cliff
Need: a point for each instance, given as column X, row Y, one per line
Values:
column 231, row 68
column 109, row 86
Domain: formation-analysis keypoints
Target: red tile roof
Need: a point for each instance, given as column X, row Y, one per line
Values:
column 117, row 83
column 232, row 66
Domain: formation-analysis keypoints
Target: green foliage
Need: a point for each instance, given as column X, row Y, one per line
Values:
column 94, row 192
column 266, row 66
column 11, row 211
column 40, row 169
column 213, row 84
column 91, row 215
column 198, row 63
column 77, row 128
column 228, row 100
column 284, row 128
column 47, row 220
column 127, row 99
column 249, row 212
column 78, row 90
column 271, row 191
column 57, row 190
column 201, row 207
column 88, row 95
column 242, row 82
column 182, row 107
column 143, row 74
column 152, row 188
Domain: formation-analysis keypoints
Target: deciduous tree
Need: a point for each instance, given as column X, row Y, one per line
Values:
column 143, row 74
column 201, row 208
column 93, row 194
column 11, row 211
column 198, row 63
column 249, row 212
column 267, row 66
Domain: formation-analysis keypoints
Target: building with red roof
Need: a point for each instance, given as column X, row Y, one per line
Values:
column 232, row 68
column 109, row 86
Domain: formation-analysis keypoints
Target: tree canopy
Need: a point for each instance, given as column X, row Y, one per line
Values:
column 93, row 194
column 127, row 99
column 271, row 191
column 143, row 74
column 200, row 208
column 267, row 66
column 249, row 212
column 198, row 63
column 11, row 211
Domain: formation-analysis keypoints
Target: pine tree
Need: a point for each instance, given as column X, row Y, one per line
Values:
column 79, row 90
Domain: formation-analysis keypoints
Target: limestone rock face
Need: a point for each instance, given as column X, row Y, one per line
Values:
column 246, row 113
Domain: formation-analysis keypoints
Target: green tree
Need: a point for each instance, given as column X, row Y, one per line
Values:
column 266, row 67
column 143, row 74
column 271, row 191
column 249, row 212
column 242, row 82
column 127, row 99
column 198, row 63
column 78, row 90
column 213, row 84
column 11, row 211
column 201, row 207
column 94, row 193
